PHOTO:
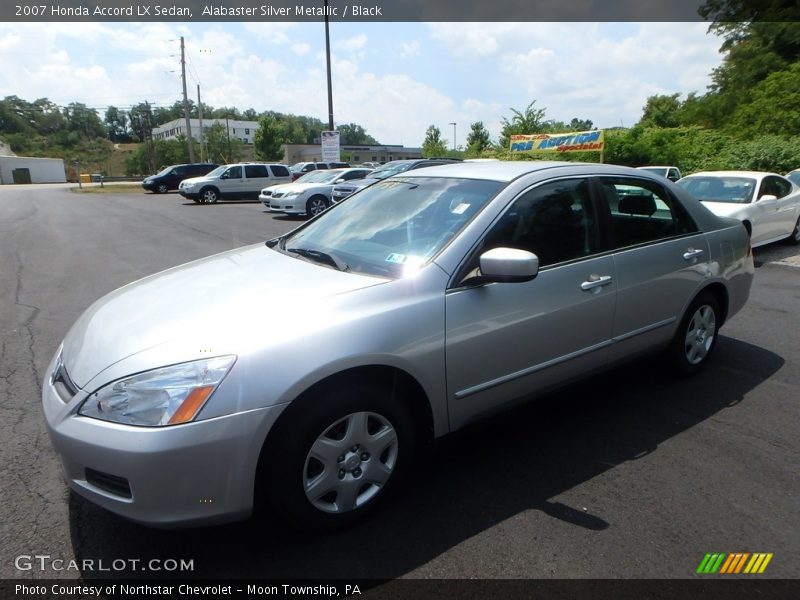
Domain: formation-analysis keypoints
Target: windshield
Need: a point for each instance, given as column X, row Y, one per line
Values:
column 390, row 169
column 165, row 171
column 794, row 176
column 393, row 227
column 736, row 190
column 216, row 172
column 324, row 176
column 655, row 170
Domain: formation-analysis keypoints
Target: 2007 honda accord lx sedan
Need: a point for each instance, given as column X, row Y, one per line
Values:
column 413, row 308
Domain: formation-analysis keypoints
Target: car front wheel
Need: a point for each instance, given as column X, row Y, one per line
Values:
column 696, row 337
column 161, row 188
column 209, row 196
column 316, row 205
column 336, row 459
column 794, row 238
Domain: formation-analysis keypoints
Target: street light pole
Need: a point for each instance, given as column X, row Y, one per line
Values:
column 454, row 135
column 328, row 59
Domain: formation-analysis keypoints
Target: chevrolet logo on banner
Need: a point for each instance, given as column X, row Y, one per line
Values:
column 735, row 563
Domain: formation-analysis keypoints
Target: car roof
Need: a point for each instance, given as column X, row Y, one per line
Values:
column 753, row 174
column 509, row 170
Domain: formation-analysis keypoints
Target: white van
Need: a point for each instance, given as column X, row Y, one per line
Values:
column 240, row 180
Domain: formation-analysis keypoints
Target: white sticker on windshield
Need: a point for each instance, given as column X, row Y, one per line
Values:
column 459, row 210
column 396, row 258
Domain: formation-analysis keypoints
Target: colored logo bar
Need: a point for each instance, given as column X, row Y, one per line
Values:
column 734, row 563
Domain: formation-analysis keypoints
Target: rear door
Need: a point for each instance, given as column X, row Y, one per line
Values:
column 660, row 257
column 256, row 178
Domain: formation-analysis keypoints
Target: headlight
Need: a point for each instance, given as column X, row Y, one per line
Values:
column 165, row 396
column 290, row 194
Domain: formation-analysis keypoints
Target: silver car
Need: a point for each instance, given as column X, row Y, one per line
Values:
column 428, row 301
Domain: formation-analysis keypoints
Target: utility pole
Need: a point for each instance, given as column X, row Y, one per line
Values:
column 186, row 104
column 454, row 135
column 200, row 134
column 328, row 58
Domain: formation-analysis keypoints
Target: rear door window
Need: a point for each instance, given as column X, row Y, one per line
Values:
column 642, row 211
column 256, row 171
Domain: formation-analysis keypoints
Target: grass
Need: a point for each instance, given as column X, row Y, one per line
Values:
column 108, row 188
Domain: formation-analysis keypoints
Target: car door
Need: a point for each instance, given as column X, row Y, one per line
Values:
column 256, row 178
column 778, row 216
column 507, row 340
column 660, row 259
column 231, row 181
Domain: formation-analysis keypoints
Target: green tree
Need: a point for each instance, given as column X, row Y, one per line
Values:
column 774, row 105
column 352, row 134
column 477, row 140
column 434, row 145
column 116, row 124
column 220, row 147
column 661, row 111
column 268, row 138
column 83, row 120
column 525, row 122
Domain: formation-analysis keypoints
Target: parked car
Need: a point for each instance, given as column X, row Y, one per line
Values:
column 342, row 191
column 241, row 180
column 301, row 168
column 170, row 177
column 309, row 195
column 671, row 173
column 416, row 307
column 794, row 176
column 767, row 204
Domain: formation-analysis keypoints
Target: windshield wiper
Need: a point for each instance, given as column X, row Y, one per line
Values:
column 321, row 257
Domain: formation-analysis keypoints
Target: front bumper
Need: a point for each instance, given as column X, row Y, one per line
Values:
column 295, row 205
column 198, row 473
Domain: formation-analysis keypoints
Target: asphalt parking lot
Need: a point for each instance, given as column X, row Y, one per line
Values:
column 632, row 474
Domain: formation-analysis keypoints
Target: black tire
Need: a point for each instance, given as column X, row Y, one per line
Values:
column 162, row 188
column 697, row 334
column 316, row 205
column 354, row 421
column 209, row 195
column 794, row 239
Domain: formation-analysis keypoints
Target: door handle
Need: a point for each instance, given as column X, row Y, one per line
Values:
column 595, row 282
column 692, row 254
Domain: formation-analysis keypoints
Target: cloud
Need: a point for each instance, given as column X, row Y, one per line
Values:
column 409, row 49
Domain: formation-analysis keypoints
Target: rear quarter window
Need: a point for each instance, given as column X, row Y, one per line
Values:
column 279, row 171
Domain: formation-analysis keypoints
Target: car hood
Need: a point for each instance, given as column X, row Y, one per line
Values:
column 203, row 306
column 724, row 209
column 193, row 180
column 358, row 183
column 304, row 187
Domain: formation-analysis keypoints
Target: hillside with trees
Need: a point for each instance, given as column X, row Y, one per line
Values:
column 82, row 138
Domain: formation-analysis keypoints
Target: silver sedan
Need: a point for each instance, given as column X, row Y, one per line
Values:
column 429, row 300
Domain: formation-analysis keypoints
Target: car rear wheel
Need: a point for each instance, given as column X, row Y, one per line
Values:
column 337, row 456
column 696, row 336
column 209, row 195
column 161, row 188
column 794, row 239
column 316, row 205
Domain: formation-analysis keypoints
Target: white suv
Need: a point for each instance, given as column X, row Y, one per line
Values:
column 239, row 180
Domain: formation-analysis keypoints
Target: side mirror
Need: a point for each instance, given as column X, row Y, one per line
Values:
column 224, row 175
column 508, row 265
column 768, row 200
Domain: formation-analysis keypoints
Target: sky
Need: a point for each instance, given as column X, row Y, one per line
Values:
column 394, row 79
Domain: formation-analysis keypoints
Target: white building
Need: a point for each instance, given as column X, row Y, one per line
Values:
column 26, row 169
column 240, row 130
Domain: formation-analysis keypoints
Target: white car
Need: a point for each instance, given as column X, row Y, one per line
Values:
column 309, row 195
column 768, row 204
column 240, row 180
column 670, row 172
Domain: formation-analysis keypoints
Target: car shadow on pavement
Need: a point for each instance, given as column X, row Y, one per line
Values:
column 466, row 483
